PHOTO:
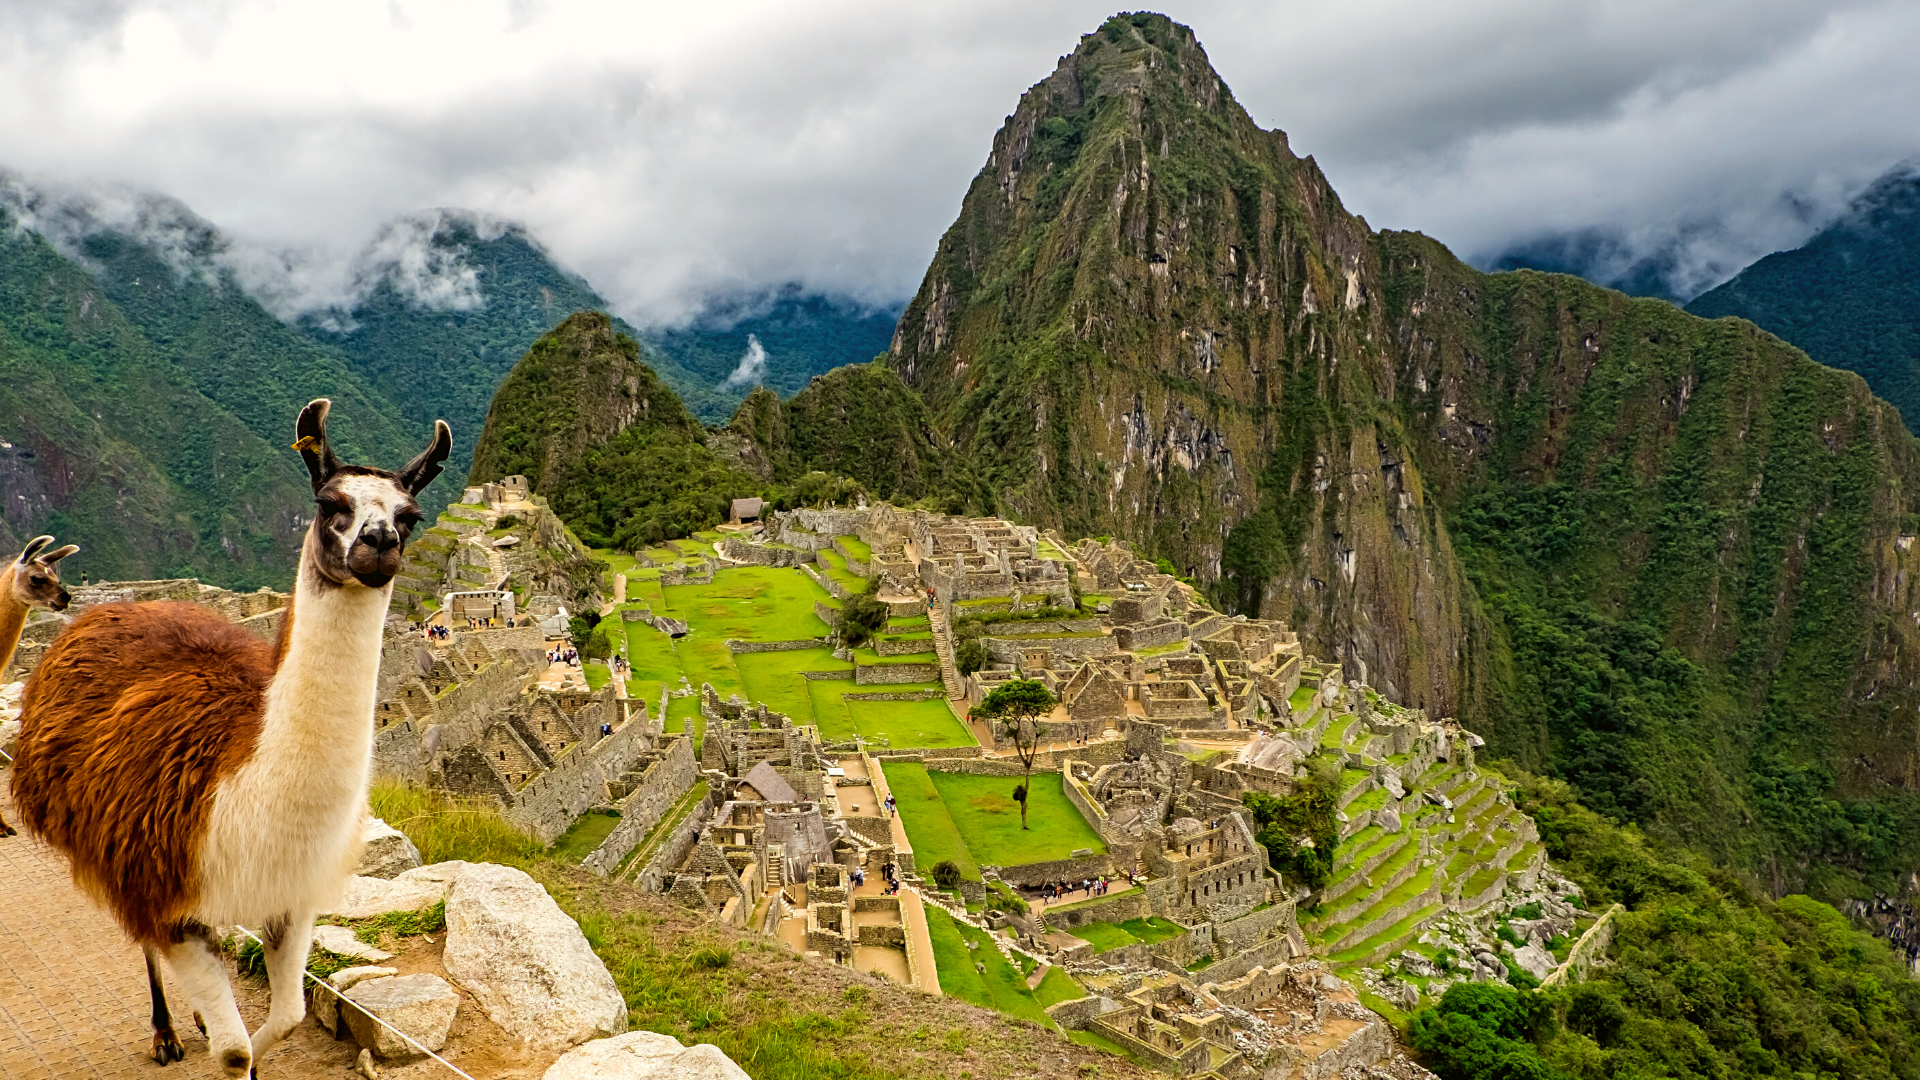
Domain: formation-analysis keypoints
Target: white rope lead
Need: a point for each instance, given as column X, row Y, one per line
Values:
column 404, row 1037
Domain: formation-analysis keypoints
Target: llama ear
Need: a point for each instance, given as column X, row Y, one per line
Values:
column 33, row 547
column 415, row 475
column 56, row 555
column 310, row 438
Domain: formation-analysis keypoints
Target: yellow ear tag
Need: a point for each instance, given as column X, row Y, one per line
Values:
column 307, row 442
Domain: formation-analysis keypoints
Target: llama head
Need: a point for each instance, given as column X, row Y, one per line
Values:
column 365, row 514
column 35, row 580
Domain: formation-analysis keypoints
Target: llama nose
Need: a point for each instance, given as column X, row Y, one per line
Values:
column 380, row 537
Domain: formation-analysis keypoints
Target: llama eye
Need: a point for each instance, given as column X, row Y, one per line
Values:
column 332, row 507
column 406, row 519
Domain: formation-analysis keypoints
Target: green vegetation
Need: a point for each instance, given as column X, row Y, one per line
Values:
column 1013, row 707
column 802, row 336
column 444, row 828
column 1299, row 830
column 923, row 813
column 617, row 478
column 584, row 835
column 860, row 421
column 1849, row 295
column 1003, row 987
column 1105, row 936
column 148, row 403
column 1707, row 979
column 984, row 811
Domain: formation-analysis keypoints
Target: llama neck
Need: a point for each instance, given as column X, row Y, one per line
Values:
column 13, row 619
column 319, row 707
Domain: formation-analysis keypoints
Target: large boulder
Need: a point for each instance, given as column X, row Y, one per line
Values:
column 1535, row 961
column 526, row 962
column 422, row 1005
column 412, row 890
column 385, row 851
column 644, row 1055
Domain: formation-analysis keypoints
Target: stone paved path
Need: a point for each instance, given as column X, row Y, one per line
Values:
column 73, row 989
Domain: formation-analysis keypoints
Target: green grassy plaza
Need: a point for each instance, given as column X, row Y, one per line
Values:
column 761, row 603
column 973, row 820
column 1106, row 937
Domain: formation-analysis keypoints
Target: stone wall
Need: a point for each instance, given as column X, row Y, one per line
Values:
column 738, row 646
column 1243, row 933
column 406, row 740
column 662, row 785
column 1591, row 947
column 1134, row 904
column 1008, row 649
column 673, row 851
column 1238, row 965
column 761, row 554
column 576, row 783
column 883, row 674
column 1039, row 873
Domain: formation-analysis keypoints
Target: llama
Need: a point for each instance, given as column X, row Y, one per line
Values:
column 28, row 582
column 196, row 776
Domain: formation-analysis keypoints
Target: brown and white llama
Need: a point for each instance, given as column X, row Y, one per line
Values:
column 31, row 581
column 196, row 776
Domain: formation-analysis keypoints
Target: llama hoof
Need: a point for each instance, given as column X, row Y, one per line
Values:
column 167, row 1048
column 199, row 1023
column 8, row 830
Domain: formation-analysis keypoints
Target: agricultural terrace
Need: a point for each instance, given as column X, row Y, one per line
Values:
column 973, row 820
column 762, row 603
column 1002, row 986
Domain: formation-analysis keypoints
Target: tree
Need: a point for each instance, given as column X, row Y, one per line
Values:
column 946, row 875
column 863, row 616
column 1016, row 706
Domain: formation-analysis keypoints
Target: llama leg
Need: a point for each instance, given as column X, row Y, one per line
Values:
column 202, row 975
column 6, row 829
column 166, row 1045
column 287, row 941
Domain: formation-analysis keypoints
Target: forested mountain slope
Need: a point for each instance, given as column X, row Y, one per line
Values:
column 593, row 428
column 799, row 334
column 1662, row 557
column 1850, row 296
column 116, row 441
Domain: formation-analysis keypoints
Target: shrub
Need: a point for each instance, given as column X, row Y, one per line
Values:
column 971, row 657
column 507, row 521
column 863, row 616
column 946, row 875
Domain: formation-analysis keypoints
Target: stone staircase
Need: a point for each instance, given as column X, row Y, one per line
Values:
column 496, row 568
column 943, row 648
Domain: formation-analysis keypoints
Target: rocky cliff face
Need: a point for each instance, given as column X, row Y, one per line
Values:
column 1153, row 319
column 1665, row 558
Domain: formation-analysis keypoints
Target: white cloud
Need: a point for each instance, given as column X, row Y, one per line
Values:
column 752, row 367
column 665, row 152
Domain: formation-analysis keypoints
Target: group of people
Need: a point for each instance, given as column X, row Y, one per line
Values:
column 565, row 654
column 437, row 632
column 1093, row 887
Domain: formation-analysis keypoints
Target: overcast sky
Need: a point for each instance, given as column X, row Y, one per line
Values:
column 668, row 151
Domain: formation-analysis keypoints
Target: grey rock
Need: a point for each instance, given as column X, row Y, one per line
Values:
column 340, row 941
column 526, row 962
column 386, row 852
column 423, row 1006
column 643, row 1055
column 325, row 1007
column 1388, row 820
column 1535, row 961
column 413, row 890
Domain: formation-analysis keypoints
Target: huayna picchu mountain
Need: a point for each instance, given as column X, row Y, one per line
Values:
column 1665, row 558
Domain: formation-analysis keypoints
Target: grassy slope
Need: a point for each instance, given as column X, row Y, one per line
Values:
column 923, row 813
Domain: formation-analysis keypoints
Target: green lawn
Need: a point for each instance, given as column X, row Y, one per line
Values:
column 983, row 810
column 587, row 832
column 775, row 678
column 598, row 675
column 856, row 547
column 1003, row 987
column 908, row 723
column 751, row 603
column 1106, row 937
column 1301, row 699
column 836, row 568
column 930, row 829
